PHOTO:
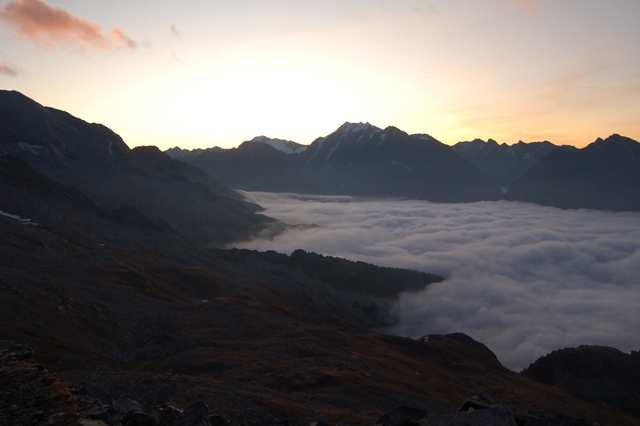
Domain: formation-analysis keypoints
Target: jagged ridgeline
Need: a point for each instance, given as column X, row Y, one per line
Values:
column 356, row 159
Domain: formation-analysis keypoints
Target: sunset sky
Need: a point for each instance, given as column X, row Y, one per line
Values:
column 203, row 73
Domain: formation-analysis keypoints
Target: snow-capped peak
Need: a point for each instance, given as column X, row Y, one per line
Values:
column 288, row 147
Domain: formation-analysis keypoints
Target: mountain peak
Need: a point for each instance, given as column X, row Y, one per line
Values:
column 614, row 141
column 357, row 127
column 288, row 147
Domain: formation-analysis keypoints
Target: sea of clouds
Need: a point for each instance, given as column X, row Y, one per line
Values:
column 521, row 278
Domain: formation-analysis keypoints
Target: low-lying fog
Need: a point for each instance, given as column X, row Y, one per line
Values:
column 521, row 278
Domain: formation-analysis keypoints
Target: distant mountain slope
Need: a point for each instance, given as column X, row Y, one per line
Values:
column 503, row 163
column 288, row 147
column 361, row 159
column 96, row 160
column 603, row 175
column 356, row 159
column 254, row 167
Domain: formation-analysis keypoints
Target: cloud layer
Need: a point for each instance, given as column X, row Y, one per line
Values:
column 521, row 278
column 49, row 27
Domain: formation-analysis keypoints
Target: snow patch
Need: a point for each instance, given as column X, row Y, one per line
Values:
column 288, row 147
column 332, row 150
column 24, row 221
column 31, row 149
column 320, row 143
column 357, row 127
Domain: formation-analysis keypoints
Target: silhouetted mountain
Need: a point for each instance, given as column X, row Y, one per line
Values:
column 503, row 163
column 177, row 152
column 357, row 159
column 96, row 160
column 603, row 175
column 361, row 159
column 598, row 373
column 254, row 166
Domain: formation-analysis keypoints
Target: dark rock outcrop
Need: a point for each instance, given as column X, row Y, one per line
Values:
column 402, row 416
column 598, row 373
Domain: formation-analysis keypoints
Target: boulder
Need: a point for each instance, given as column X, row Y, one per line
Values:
column 197, row 414
column 402, row 416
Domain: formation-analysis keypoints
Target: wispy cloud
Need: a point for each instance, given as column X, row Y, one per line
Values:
column 521, row 278
column 174, row 30
column 428, row 8
column 50, row 27
column 10, row 70
column 528, row 7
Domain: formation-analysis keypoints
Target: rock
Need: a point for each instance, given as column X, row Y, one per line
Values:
column 492, row 416
column 12, row 353
column 218, row 420
column 477, row 402
column 123, row 409
column 138, row 418
column 97, row 411
column 168, row 413
column 197, row 414
column 403, row 416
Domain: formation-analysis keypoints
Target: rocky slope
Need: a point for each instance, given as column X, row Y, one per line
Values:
column 128, row 318
column 131, row 318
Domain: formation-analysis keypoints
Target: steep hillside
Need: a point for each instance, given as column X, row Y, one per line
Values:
column 95, row 160
column 360, row 159
column 603, row 175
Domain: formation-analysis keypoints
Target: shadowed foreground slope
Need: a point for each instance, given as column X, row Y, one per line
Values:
column 122, row 306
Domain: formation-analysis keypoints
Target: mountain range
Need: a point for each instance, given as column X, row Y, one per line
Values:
column 503, row 163
column 356, row 159
column 604, row 175
column 115, row 311
column 363, row 160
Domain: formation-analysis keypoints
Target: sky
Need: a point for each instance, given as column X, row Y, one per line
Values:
column 203, row 73
column 521, row 278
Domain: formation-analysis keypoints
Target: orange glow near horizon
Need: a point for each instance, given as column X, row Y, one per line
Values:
column 508, row 70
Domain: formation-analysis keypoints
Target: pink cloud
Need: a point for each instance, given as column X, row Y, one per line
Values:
column 49, row 27
column 9, row 70
column 529, row 7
